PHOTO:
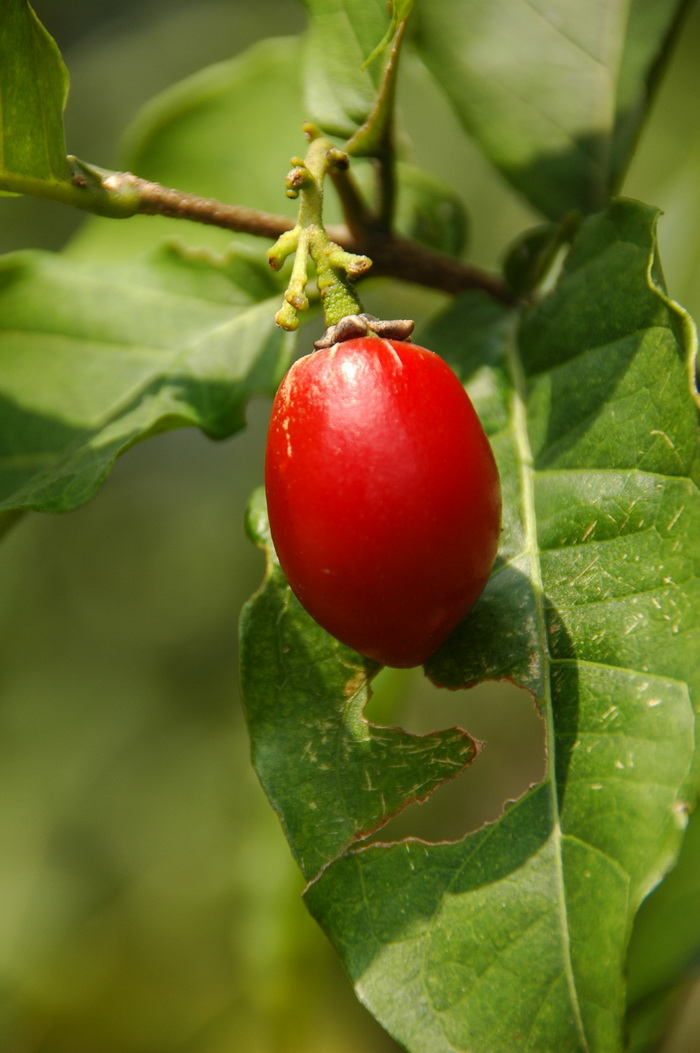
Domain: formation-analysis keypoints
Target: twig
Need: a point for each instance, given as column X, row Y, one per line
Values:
column 392, row 255
column 157, row 200
column 396, row 256
column 122, row 194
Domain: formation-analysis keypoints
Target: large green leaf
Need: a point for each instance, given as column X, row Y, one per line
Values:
column 515, row 937
column 33, row 89
column 554, row 94
column 95, row 358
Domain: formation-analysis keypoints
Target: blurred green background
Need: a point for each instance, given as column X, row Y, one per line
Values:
column 148, row 901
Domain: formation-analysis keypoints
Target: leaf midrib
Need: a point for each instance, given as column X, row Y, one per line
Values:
column 522, row 445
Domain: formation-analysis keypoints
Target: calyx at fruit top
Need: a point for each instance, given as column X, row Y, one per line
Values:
column 355, row 325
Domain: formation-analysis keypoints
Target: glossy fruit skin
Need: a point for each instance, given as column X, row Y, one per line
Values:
column 383, row 496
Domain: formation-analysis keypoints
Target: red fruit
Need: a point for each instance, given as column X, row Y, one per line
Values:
column 383, row 496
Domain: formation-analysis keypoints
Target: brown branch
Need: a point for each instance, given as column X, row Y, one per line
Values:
column 395, row 256
column 157, row 200
column 392, row 255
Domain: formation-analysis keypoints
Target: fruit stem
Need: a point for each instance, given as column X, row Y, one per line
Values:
column 335, row 267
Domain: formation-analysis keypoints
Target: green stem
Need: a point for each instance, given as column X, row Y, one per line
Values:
column 335, row 267
column 375, row 138
column 87, row 188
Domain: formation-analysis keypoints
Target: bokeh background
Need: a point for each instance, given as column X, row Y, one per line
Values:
column 148, row 901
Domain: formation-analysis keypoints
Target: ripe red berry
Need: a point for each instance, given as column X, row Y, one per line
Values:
column 383, row 496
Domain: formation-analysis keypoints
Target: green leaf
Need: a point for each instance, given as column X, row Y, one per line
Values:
column 33, row 90
column 348, row 91
column 177, row 140
column 95, row 358
column 427, row 209
column 375, row 137
column 665, row 946
column 651, row 30
column 554, row 95
column 400, row 10
column 339, row 88
column 533, row 254
column 515, row 937
column 332, row 777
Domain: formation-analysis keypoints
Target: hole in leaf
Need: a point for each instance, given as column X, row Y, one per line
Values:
column 501, row 715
